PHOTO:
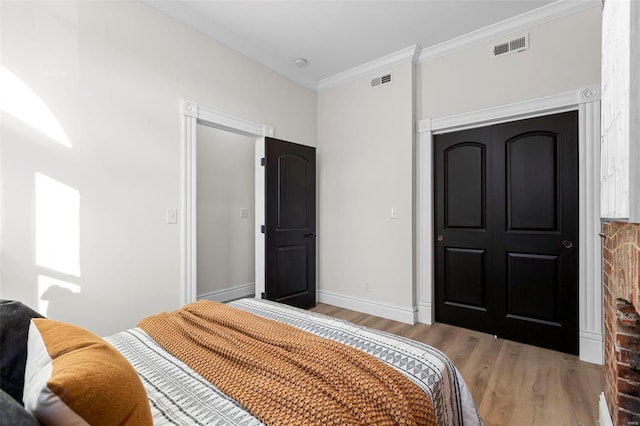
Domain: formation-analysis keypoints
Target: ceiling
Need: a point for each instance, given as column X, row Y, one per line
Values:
column 335, row 36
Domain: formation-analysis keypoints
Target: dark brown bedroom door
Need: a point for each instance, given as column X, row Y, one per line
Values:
column 506, row 254
column 290, row 228
column 464, row 228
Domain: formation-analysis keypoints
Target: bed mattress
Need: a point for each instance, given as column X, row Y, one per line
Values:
column 180, row 396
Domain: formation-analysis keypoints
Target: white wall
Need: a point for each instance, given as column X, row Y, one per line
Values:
column 226, row 241
column 564, row 54
column 113, row 74
column 365, row 151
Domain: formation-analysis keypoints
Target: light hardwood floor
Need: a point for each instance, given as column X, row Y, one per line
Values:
column 511, row 383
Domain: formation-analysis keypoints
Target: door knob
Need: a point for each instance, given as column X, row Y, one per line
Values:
column 440, row 238
column 567, row 244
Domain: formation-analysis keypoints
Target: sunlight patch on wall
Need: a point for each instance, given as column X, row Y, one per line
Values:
column 20, row 101
column 57, row 226
column 47, row 289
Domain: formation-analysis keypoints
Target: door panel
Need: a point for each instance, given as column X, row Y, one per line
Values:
column 465, row 183
column 533, row 219
column 292, row 271
column 464, row 268
column 506, row 224
column 293, row 171
column 290, row 223
column 532, row 182
column 532, row 287
column 462, row 254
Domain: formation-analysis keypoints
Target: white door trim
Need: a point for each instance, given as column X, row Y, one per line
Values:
column 192, row 115
column 587, row 102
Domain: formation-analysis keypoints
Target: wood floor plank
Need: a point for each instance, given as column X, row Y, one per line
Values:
column 504, row 387
column 511, row 383
column 479, row 367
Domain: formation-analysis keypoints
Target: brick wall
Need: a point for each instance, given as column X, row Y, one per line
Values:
column 621, row 266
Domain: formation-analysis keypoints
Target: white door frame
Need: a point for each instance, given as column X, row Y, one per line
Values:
column 587, row 102
column 192, row 115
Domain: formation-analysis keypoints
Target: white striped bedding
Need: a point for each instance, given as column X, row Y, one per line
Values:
column 179, row 396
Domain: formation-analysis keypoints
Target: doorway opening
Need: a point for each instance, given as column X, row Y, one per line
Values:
column 225, row 214
column 195, row 117
column 586, row 101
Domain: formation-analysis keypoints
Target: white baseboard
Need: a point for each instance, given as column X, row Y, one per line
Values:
column 591, row 349
column 228, row 294
column 605, row 417
column 425, row 313
column 385, row 310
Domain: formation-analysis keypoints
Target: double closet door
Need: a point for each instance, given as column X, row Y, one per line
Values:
column 506, row 229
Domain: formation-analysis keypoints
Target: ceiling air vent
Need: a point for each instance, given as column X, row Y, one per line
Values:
column 501, row 49
column 379, row 81
column 517, row 44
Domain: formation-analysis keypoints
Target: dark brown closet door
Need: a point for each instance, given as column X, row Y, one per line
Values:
column 506, row 256
column 536, row 238
column 463, row 229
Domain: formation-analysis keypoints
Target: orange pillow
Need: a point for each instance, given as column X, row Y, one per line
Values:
column 74, row 377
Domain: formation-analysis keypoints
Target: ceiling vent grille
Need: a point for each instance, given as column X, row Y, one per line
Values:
column 512, row 46
column 501, row 49
column 379, row 81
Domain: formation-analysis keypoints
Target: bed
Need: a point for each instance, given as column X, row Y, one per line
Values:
column 178, row 393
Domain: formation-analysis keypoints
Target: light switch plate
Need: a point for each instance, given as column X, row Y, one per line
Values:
column 172, row 216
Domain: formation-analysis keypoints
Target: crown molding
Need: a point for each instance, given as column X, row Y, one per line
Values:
column 556, row 10
column 409, row 54
column 550, row 12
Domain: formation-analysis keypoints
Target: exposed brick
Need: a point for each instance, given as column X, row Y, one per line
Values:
column 608, row 244
column 627, row 341
column 631, row 358
column 626, row 418
column 613, row 410
column 629, row 327
column 624, row 307
column 627, row 387
column 629, row 324
column 608, row 269
column 628, row 321
column 609, row 327
column 621, row 280
column 629, row 403
column 628, row 373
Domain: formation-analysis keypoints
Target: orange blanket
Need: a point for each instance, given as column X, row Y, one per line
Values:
column 283, row 375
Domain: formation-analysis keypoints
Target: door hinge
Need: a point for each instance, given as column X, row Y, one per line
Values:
column 263, row 296
column 263, row 229
column 263, row 161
